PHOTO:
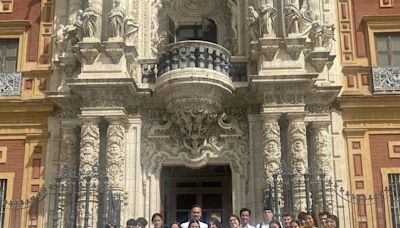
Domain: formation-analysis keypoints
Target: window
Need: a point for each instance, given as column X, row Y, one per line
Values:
column 388, row 49
column 394, row 190
column 207, row 31
column 8, row 55
column 3, row 189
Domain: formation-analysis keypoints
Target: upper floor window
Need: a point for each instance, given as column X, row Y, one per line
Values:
column 206, row 31
column 3, row 188
column 8, row 55
column 388, row 49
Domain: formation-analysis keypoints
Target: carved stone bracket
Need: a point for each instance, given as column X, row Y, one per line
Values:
column 115, row 49
column 318, row 59
column 67, row 64
column 269, row 47
column 294, row 46
column 89, row 50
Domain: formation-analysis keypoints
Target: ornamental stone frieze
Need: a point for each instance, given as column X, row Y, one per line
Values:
column 386, row 79
column 194, row 137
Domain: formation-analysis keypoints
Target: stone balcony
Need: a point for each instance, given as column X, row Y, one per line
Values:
column 194, row 73
column 386, row 79
column 10, row 84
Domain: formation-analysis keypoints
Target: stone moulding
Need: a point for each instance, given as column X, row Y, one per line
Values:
column 386, row 79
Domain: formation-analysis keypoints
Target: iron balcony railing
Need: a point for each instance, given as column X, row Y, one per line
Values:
column 386, row 79
column 194, row 54
column 10, row 84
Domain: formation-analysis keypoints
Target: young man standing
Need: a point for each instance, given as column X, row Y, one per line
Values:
column 245, row 218
column 195, row 215
column 323, row 216
column 286, row 220
column 268, row 217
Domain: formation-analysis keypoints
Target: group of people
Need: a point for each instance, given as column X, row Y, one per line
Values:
column 303, row 220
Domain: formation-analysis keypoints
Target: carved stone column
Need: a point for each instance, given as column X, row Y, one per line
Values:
column 89, row 172
column 272, row 158
column 322, row 155
column 116, row 154
column 272, row 147
column 68, row 168
column 297, row 147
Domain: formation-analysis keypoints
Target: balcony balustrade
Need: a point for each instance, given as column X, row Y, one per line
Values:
column 10, row 84
column 386, row 79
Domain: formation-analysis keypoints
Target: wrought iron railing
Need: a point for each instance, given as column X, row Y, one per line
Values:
column 194, row 54
column 10, row 84
column 386, row 79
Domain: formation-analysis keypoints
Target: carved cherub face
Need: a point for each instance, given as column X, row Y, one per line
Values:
column 272, row 146
column 113, row 148
column 87, row 148
column 298, row 145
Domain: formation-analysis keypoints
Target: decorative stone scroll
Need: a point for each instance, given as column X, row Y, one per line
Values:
column 116, row 155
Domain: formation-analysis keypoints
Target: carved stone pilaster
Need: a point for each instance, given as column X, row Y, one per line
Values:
column 69, row 149
column 297, row 146
column 116, row 153
column 272, row 148
column 89, row 172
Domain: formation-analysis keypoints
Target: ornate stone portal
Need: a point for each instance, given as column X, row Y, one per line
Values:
column 195, row 114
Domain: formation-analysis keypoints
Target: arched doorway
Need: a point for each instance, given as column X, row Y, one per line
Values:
column 210, row 187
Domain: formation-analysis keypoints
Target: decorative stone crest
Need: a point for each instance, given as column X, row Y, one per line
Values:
column 194, row 136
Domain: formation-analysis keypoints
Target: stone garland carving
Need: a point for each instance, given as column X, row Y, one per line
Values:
column 322, row 147
column 116, row 18
column 116, row 156
column 298, row 146
column 272, row 150
column 89, row 152
column 165, row 140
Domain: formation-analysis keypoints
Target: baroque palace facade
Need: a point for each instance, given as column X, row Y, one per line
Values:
column 370, row 104
column 151, row 106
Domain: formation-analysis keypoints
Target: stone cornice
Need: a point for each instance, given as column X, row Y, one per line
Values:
column 10, row 26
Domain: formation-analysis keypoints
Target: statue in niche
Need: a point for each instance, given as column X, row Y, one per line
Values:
column 131, row 28
column 89, row 18
column 253, row 23
column 268, row 13
column 292, row 16
column 116, row 17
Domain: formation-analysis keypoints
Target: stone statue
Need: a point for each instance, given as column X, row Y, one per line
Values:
column 292, row 16
column 253, row 23
column 268, row 13
column 79, row 25
column 315, row 34
column 89, row 18
column 131, row 28
column 328, row 34
column 306, row 18
column 116, row 17
column 59, row 37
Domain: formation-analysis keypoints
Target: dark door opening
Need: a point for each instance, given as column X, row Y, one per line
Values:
column 209, row 187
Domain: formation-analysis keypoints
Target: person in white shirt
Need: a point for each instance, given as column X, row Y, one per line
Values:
column 245, row 218
column 195, row 215
column 268, row 217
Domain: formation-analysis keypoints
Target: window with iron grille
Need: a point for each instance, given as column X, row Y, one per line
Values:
column 8, row 55
column 3, row 189
column 394, row 189
column 388, row 49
